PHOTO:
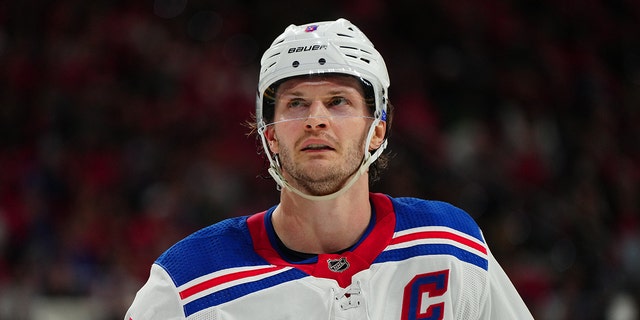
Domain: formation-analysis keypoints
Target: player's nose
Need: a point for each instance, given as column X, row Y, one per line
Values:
column 318, row 116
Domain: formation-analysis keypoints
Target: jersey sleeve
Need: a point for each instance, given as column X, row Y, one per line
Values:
column 503, row 301
column 158, row 299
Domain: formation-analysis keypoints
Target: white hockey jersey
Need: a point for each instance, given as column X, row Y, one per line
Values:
column 417, row 260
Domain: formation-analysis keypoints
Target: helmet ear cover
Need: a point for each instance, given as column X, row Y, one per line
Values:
column 270, row 94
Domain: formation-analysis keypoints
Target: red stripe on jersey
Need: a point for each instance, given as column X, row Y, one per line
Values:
column 208, row 284
column 439, row 235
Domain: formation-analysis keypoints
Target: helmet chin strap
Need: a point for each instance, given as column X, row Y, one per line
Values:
column 276, row 172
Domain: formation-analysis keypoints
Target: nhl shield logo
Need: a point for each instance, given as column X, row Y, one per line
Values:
column 338, row 265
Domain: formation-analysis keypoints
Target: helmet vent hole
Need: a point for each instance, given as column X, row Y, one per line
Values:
column 344, row 35
column 322, row 61
column 295, row 64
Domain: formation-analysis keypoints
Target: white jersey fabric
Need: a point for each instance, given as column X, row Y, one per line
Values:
column 418, row 259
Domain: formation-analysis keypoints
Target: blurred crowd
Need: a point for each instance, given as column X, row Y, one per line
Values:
column 122, row 129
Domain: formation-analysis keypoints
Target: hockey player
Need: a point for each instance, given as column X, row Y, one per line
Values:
column 331, row 249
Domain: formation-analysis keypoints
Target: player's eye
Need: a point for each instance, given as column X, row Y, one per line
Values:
column 338, row 101
column 296, row 103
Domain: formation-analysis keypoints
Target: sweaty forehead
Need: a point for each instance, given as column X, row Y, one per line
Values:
column 333, row 83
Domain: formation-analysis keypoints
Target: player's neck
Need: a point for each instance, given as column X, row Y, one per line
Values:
column 323, row 226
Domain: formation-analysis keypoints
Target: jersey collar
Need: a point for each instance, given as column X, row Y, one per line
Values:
column 338, row 266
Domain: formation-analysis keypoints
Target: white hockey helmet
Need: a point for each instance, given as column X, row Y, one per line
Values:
column 323, row 48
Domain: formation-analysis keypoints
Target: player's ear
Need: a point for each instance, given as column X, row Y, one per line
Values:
column 378, row 135
column 270, row 134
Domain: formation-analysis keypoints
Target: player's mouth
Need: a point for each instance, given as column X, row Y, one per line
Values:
column 315, row 144
column 316, row 147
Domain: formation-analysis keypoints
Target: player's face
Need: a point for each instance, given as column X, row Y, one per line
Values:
column 319, row 132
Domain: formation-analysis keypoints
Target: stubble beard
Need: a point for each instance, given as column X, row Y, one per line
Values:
column 328, row 178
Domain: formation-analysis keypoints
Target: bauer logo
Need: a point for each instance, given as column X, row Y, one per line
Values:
column 314, row 47
column 311, row 28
